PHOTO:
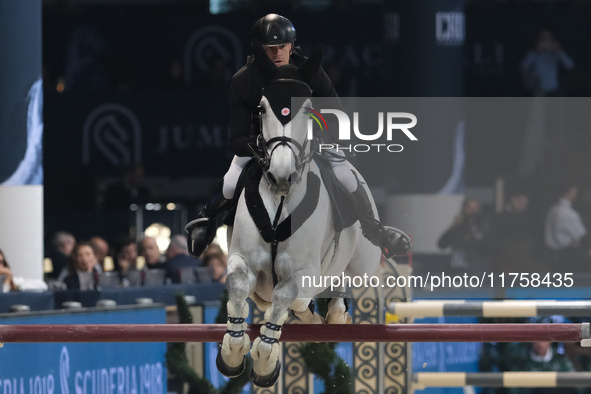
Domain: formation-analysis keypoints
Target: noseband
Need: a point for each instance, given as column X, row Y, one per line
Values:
column 263, row 156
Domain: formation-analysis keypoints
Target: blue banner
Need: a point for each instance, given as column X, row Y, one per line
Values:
column 445, row 356
column 48, row 368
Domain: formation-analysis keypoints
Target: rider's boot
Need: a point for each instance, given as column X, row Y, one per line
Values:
column 202, row 229
column 392, row 241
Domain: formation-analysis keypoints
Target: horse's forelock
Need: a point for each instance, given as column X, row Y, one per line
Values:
column 289, row 71
column 285, row 97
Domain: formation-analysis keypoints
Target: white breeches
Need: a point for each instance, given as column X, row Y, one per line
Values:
column 341, row 170
column 231, row 177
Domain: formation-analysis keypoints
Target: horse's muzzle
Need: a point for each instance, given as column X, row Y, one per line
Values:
column 282, row 185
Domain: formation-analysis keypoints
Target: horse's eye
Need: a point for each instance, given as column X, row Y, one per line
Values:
column 262, row 110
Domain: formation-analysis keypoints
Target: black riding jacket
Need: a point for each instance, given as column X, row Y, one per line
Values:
column 245, row 96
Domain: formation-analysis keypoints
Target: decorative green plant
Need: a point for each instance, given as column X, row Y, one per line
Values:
column 322, row 360
column 178, row 364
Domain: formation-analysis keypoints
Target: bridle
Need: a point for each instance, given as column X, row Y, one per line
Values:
column 263, row 155
column 303, row 153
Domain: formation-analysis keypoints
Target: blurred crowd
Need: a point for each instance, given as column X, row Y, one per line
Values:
column 551, row 238
column 545, row 239
column 96, row 264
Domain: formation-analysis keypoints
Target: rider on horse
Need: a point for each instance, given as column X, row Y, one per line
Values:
column 277, row 35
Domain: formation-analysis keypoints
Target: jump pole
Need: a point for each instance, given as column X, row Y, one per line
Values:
column 422, row 380
column 86, row 333
column 507, row 308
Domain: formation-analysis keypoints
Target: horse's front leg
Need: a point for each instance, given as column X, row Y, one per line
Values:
column 236, row 343
column 265, row 349
column 305, row 310
column 338, row 311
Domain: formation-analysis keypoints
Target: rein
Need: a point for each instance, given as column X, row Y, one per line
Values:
column 274, row 241
column 262, row 155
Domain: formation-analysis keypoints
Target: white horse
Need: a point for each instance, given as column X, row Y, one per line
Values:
column 262, row 264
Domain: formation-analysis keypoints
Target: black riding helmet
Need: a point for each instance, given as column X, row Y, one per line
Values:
column 273, row 29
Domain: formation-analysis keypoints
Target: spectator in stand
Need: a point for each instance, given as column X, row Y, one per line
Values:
column 217, row 264
column 60, row 252
column 125, row 251
column 541, row 66
column 10, row 282
column 101, row 249
column 83, row 274
column 469, row 238
column 565, row 233
column 148, row 248
column 526, row 357
column 214, row 249
column 177, row 257
column 542, row 357
column 6, row 278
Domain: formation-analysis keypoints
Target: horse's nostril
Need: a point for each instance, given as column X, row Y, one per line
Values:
column 293, row 177
column 271, row 178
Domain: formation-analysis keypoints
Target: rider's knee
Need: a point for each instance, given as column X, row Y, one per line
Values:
column 345, row 176
column 228, row 189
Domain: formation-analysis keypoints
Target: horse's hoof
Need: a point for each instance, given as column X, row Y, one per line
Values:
column 348, row 319
column 344, row 319
column 226, row 370
column 266, row 381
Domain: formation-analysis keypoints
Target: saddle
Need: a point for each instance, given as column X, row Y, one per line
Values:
column 342, row 203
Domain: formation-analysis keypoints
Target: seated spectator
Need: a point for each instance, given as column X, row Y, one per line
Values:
column 543, row 357
column 217, row 263
column 565, row 232
column 83, row 274
column 125, row 251
column 469, row 238
column 10, row 282
column 178, row 257
column 540, row 356
column 148, row 249
column 212, row 249
column 6, row 278
column 60, row 253
column 101, row 249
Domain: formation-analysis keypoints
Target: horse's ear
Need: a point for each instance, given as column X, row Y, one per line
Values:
column 312, row 64
column 266, row 65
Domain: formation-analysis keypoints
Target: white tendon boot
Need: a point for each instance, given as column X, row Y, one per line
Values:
column 235, row 345
column 265, row 352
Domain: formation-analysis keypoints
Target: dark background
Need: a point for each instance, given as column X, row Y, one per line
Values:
column 163, row 69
